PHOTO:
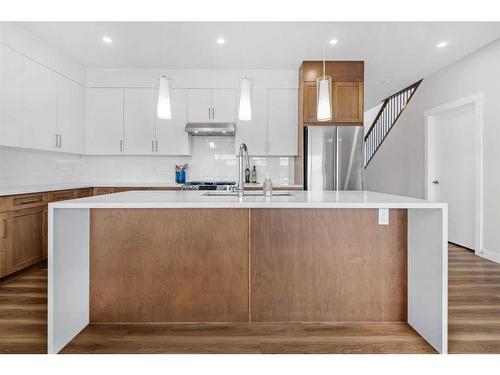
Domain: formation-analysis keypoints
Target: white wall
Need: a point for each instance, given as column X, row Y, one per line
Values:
column 370, row 115
column 398, row 166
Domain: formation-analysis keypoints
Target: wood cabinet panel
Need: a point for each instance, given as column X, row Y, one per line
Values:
column 102, row 190
column 62, row 195
column 22, row 239
column 168, row 265
column 83, row 193
column 348, row 102
column 340, row 71
column 310, row 102
column 312, row 265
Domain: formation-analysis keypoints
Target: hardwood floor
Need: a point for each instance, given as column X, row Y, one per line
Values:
column 474, row 324
column 23, row 312
column 474, row 303
column 243, row 338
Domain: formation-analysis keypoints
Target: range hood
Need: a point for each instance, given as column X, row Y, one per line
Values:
column 211, row 128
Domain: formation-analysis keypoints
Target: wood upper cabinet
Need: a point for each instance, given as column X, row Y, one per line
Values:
column 22, row 239
column 348, row 103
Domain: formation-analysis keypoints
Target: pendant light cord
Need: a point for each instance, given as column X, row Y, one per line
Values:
column 324, row 62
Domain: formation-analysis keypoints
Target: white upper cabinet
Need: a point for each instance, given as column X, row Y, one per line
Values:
column 170, row 134
column 223, row 105
column 104, row 126
column 70, row 104
column 200, row 105
column 39, row 106
column 10, row 97
column 282, row 121
column 209, row 105
column 139, row 121
column 254, row 132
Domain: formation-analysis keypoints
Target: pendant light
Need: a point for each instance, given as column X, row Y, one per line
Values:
column 245, row 103
column 164, row 111
column 323, row 93
column 245, row 107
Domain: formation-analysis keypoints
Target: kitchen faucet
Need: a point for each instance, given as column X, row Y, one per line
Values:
column 241, row 183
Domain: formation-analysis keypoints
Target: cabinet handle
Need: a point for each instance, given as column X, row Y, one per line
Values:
column 156, row 145
column 213, row 113
column 121, row 145
column 60, row 140
column 56, row 142
column 29, row 201
column 209, row 113
column 4, row 228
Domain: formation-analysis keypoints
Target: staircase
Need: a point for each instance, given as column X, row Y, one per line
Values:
column 389, row 113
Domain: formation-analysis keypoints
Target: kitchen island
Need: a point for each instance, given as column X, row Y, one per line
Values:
column 185, row 257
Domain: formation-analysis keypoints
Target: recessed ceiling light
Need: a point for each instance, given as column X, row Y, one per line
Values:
column 107, row 40
column 221, row 41
column 333, row 41
column 442, row 44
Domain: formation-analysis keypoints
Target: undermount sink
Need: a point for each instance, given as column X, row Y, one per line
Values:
column 247, row 194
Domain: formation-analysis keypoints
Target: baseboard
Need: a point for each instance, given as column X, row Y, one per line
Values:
column 490, row 255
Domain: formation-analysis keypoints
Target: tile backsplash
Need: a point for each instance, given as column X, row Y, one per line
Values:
column 211, row 158
column 30, row 167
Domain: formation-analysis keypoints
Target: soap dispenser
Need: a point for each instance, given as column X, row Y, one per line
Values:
column 268, row 186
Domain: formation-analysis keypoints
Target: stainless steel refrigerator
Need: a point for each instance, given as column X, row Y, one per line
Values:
column 333, row 157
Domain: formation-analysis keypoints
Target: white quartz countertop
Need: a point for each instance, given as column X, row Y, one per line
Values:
column 27, row 189
column 298, row 199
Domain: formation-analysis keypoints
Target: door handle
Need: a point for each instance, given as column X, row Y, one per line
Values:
column 4, row 228
column 435, row 182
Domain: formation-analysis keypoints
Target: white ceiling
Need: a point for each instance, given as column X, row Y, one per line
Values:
column 399, row 53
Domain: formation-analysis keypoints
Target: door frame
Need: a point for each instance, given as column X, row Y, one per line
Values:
column 477, row 100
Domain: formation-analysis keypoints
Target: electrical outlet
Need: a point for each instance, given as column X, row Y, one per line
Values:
column 383, row 216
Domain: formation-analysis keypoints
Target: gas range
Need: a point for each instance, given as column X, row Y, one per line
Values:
column 208, row 185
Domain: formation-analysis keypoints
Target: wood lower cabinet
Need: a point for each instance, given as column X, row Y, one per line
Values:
column 22, row 239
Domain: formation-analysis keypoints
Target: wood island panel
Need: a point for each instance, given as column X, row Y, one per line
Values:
column 328, row 265
column 169, row 265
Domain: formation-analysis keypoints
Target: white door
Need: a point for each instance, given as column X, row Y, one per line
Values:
column 223, row 105
column 170, row 134
column 104, row 127
column 254, row 132
column 139, row 121
column 282, row 121
column 70, row 115
column 199, row 105
column 10, row 97
column 451, row 169
column 39, row 113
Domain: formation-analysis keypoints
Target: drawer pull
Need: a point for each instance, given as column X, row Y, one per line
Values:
column 30, row 200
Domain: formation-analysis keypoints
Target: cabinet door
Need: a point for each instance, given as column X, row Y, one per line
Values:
column 39, row 112
column 282, row 121
column 23, row 238
column 348, row 103
column 199, row 105
column 104, row 128
column 139, row 121
column 70, row 115
column 224, row 105
column 170, row 134
column 5, row 243
column 310, row 102
column 10, row 97
column 254, row 132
